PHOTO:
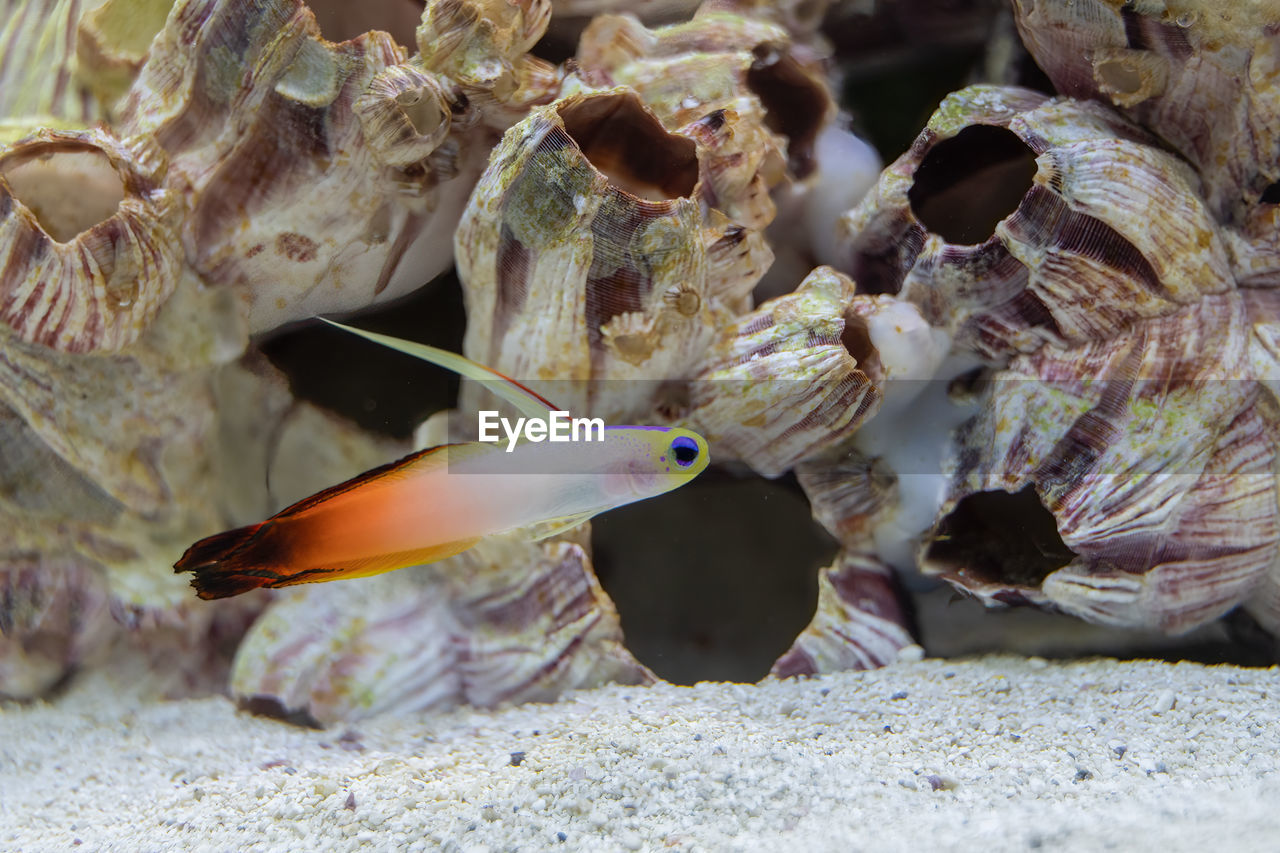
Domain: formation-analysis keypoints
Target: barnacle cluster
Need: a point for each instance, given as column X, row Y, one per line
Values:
column 1037, row 361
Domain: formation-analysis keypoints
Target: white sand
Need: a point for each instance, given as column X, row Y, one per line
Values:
column 1023, row 754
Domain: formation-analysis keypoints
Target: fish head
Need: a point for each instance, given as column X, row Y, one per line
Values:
column 655, row 460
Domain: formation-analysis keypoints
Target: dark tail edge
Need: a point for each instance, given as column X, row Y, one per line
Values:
column 223, row 564
column 219, row 582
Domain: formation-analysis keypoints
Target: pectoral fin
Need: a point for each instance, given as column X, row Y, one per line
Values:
column 555, row 526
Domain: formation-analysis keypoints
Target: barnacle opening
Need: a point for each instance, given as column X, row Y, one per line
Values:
column 68, row 187
column 342, row 20
column 998, row 537
column 630, row 147
column 795, row 103
column 1271, row 195
column 856, row 339
column 966, row 184
column 424, row 112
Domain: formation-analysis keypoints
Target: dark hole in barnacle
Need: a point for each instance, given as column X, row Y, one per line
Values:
column 1271, row 195
column 67, row 186
column 715, row 580
column 631, row 148
column 966, row 184
column 672, row 401
column 342, row 20
column 998, row 537
column 795, row 103
column 856, row 339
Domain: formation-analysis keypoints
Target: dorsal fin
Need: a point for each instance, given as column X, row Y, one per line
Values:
column 527, row 401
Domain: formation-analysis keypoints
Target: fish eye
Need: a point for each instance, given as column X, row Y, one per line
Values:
column 685, row 450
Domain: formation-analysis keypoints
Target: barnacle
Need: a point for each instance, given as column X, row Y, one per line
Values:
column 319, row 176
column 1130, row 482
column 509, row 621
column 89, row 247
column 1201, row 75
column 787, row 380
column 1094, row 441
column 1017, row 219
column 1042, row 366
column 591, row 232
column 860, row 622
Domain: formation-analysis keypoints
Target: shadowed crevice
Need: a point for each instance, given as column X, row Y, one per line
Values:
column 966, row 184
column 999, row 538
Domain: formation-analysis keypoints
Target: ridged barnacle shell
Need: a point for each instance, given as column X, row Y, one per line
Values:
column 89, row 246
column 860, row 621
column 586, row 254
column 111, row 44
column 721, row 61
column 264, row 122
column 1016, row 219
column 483, row 45
column 508, row 621
column 1202, row 75
column 37, row 45
column 112, row 463
column 1255, row 246
column 877, row 492
column 1263, row 310
column 780, row 384
column 100, row 471
column 405, row 115
column 1130, row 482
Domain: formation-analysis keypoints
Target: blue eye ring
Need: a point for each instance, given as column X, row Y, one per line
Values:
column 684, row 451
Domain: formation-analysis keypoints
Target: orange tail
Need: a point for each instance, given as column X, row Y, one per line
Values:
column 236, row 561
column 341, row 532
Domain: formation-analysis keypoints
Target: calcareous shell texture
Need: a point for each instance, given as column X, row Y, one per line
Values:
column 89, row 246
column 320, row 176
column 860, row 622
column 719, row 61
column 781, row 384
column 1096, row 432
column 586, row 254
column 1131, row 482
column 111, row 45
column 113, row 462
column 1016, row 219
column 38, row 46
column 507, row 621
column 1203, row 75
column 483, row 44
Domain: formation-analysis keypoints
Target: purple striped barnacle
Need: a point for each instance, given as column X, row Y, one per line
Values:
column 1016, row 219
column 89, row 247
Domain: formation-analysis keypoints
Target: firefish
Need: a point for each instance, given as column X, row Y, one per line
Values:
column 443, row 500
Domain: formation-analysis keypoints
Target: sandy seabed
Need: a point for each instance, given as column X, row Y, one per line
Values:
column 997, row 753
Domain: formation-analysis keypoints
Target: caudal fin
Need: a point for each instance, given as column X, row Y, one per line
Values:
column 228, row 563
column 283, row 550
